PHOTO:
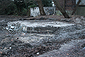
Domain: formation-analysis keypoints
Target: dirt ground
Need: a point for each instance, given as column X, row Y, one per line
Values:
column 10, row 46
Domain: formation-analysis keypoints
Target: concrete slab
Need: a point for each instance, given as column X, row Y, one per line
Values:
column 42, row 23
column 37, row 26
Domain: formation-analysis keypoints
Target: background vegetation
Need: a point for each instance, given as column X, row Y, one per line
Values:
column 9, row 7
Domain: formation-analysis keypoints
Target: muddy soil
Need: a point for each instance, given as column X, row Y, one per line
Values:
column 10, row 46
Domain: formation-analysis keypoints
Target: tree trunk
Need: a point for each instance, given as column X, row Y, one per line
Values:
column 41, row 7
column 28, row 10
column 76, row 7
column 64, row 4
column 62, row 10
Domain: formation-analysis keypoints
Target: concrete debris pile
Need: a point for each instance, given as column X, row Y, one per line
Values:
column 15, row 27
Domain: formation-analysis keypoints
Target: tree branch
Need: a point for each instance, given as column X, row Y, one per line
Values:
column 76, row 7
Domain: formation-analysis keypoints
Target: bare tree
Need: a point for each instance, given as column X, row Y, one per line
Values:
column 62, row 10
column 76, row 6
column 40, row 7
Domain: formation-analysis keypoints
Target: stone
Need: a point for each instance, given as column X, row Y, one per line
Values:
column 77, row 20
column 38, row 53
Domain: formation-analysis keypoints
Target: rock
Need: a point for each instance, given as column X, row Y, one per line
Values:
column 83, row 18
column 10, row 47
column 77, row 20
column 38, row 53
